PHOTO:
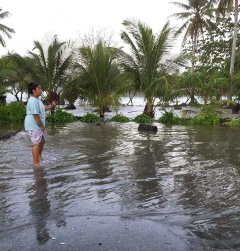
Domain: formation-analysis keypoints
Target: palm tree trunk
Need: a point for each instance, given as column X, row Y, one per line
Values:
column 233, row 55
column 192, row 100
column 194, row 52
column 16, row 96
column 148, row 110
column 101, row 112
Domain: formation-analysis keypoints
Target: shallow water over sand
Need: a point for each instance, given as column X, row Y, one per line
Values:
column 183, row 180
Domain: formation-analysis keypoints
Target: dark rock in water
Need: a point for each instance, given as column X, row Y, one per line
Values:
column 99, row 123
column 147, row 127
column 3, row 99
column 70, row 107
column 9, row 135
column 236, row 108
column 224, row 120
column 78, row 117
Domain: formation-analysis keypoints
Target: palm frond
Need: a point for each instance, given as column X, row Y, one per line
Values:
column 181, row 15
column 4, row 14
column 181, row 5
column 126, row 38
column 26, row 65
column 6, row 30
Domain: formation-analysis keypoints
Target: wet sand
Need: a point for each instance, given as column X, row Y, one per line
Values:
column 106, row 232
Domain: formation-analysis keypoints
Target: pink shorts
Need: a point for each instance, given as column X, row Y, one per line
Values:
column 36, row 136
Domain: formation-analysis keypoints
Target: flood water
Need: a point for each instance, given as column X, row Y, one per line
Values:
column 106, row 183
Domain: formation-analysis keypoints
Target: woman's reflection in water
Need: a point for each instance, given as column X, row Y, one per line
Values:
column 40, row 205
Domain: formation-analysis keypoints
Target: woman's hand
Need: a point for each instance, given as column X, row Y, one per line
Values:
column 42, row 128
column 51, row 106
column 54, row 103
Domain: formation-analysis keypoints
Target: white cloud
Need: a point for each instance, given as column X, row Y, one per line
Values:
column 32, row 19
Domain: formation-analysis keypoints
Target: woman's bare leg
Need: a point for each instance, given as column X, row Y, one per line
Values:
column 41, row 144
column 35, row 154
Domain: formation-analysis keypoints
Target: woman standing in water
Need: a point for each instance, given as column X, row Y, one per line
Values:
column 35, row 121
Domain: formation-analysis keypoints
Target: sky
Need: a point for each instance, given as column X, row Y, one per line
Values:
column 36, row 20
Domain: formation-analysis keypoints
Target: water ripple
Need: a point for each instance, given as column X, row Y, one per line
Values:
column 188, row 176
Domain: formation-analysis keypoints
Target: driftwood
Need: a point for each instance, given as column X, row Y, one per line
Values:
column 147, row 127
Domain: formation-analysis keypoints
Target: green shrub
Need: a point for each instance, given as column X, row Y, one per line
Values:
column 170, row 118
column 143, row 119
column 90, row 118
column 4, row 114
column 233, row 122
column 17, row 111
column 119, row 118
column 60, row 116
column 205, row 119
column 13, row 112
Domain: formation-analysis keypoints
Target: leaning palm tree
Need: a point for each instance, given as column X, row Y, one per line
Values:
column 146, row 61
column 46, row 67
column 196, row 15
column 4, row 29
column 100, row 82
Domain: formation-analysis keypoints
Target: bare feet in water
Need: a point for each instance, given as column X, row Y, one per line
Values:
column 40, row 158
column 38, row 164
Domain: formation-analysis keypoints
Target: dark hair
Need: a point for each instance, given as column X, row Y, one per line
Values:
column 32, row 86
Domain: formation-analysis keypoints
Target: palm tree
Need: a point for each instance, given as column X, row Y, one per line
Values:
column 197, row 14
column 14, row 78
column 194, row 85
column 146, row 61
column 226, row 6
column 3, row 85
column 99, row 80
column 4, row 29
column 48, row 68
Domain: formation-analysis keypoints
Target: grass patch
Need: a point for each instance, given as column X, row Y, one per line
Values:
column 171, row 119
column 60, row 116
column 90, row 118
column 143, row 119
column 119, row 118
column 233, row 122
column 205, row 120
column 14, row 112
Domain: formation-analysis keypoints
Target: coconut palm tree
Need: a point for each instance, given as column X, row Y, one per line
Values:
column 4, row 29
column 46, row 67
column 99, row 80
column 3, row 85
column 194, row 85
column 14, row 78
column 196, row 15
column 227, row 6
column 146, row 61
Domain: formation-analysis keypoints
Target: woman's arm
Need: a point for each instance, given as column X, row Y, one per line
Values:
column 51, row 106
column 38, row 121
